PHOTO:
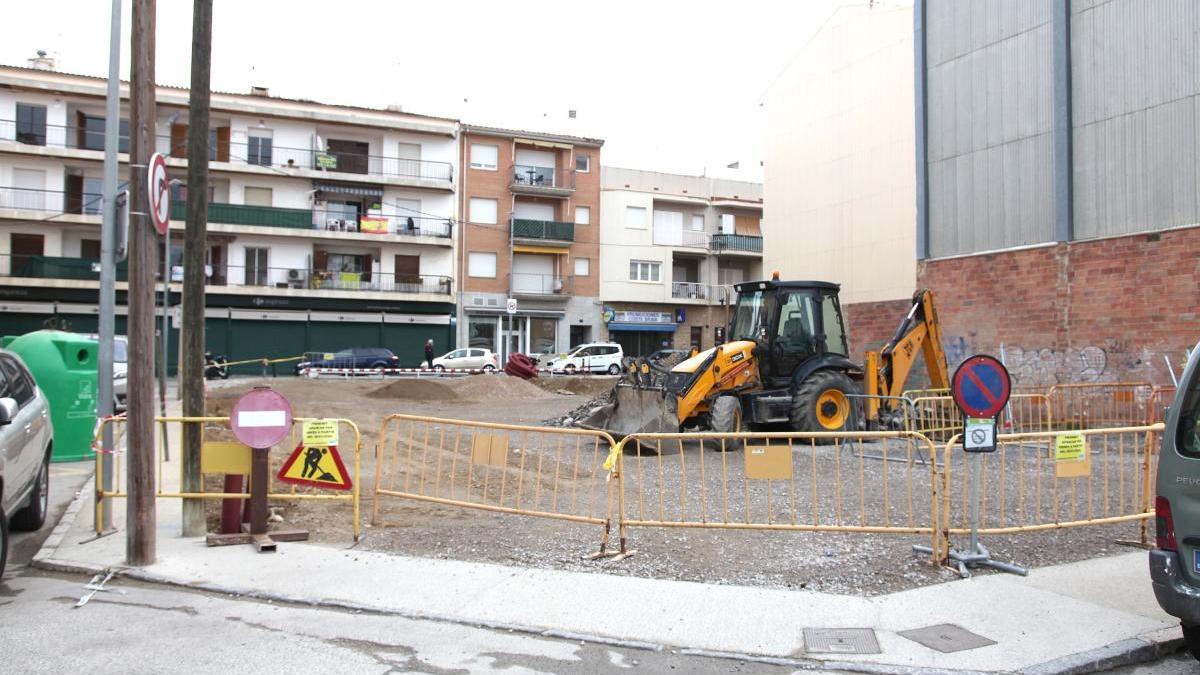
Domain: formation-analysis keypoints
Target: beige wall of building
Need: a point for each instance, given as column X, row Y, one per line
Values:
column 840, row 178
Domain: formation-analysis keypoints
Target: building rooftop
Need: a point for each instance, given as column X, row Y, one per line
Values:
column 533, row 135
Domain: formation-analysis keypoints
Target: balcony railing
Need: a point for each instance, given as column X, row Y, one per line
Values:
column 521, row 283
column 547, row 178
column 664, row 236
column 83, row 269
column 736, row 242
column 386, row 223
column 240, row 214
column 73, row 136
column 690, row 290
column 304, row 278
column 523, row 228
column 56, row 267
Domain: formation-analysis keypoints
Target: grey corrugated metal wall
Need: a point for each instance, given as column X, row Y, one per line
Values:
column 1135, row 80
column 990, row 144
column 1134, row 115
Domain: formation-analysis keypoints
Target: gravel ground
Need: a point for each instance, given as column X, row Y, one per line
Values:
column 558, row 471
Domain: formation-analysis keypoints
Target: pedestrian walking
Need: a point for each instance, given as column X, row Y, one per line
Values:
column 429, row 354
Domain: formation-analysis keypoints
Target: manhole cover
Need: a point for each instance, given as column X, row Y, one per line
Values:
column 840, row 641
column 947, row 638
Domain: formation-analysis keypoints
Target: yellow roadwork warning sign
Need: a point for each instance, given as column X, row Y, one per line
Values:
column 320, row 433
column 318, row 466
column 1071, row 458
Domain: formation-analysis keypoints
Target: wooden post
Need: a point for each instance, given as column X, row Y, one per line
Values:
column 143, row 262
column 191, row 366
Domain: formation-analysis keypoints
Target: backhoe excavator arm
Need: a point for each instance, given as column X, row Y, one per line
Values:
column 887, row 370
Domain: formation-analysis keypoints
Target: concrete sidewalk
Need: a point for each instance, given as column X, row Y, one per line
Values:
column 1078, row 617
column 1069, row 618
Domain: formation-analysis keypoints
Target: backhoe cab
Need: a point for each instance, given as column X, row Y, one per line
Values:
column 787, row 363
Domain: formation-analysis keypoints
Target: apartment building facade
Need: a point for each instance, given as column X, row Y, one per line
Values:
column 671, row 247
column 329, row 226
column 530, row 211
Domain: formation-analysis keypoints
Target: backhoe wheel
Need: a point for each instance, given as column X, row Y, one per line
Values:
column 725, row 416
column 822, row 403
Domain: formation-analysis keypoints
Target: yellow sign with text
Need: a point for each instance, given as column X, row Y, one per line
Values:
column 320, row 432
column 1071, row 458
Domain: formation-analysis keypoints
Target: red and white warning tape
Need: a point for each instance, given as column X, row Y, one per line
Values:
column 317, row 372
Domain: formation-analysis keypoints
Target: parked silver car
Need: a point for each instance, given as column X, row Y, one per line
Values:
column 120, row 369
column 26, row 439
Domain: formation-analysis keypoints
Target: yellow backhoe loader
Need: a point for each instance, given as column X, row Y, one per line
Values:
column 787, row 363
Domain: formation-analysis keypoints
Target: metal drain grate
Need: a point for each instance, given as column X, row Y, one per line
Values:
column 947, row 638
column 840, row 641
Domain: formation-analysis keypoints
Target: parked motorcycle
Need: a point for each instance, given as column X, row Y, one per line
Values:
column 215, row 367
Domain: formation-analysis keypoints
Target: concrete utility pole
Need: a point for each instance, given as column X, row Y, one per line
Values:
column 108, row 272
column 143, row 261
column 191, row 366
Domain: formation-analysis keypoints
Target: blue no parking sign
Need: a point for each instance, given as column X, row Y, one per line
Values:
column 981, row 387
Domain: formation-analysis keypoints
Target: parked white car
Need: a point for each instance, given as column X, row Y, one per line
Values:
column 26, row 436
column 597, row 357
column 120, row 369
column 473, row 358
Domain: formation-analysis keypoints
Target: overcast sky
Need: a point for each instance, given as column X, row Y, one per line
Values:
column 670, row 85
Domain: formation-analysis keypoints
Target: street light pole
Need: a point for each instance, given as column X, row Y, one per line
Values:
column 108, row 273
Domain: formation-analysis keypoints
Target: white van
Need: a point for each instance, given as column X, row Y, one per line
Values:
column 597, row 357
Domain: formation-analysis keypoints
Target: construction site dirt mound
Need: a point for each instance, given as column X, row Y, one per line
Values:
column 581, row 385
column 414, row 390
column 487, row 387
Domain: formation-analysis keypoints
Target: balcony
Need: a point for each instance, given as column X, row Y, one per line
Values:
column 736, row 243
column 542, row 181
column 56, row 267
column 319, row 219
column 664, row 236
column 687, row 290
column 80, row 138
column 82, row 269
column 325, row 280
column 239, row 214
column 545, row 286
column 49, row 201
column 546, row 231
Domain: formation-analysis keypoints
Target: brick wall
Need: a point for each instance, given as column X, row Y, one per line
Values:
column 1095, row 311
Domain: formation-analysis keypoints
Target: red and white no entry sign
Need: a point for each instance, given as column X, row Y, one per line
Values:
column 159, row 189
column 261, row 417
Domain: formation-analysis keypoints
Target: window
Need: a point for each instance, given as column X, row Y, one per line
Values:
column 697, row 223
column 89, row 249
column 476, row 353
column 481, row 264
column 583, row 163
column 697, row 334
column 20, row 383
column 31, row 124
column 483, row 211
column 831, row 325
column 583, row 215
column 795, row 330
column 484, row 157
column 258, row 147
column 256, row 266
column 481, row 332
column 644, row 270
column 93, row 196
column 583, row 267
column 91, row 133
column 635, row 216
column 258, row 196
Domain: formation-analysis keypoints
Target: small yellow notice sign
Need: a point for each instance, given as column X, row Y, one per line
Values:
column 320, row 433
column 1071, row 458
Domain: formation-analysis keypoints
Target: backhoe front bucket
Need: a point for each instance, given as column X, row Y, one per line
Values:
column 634, row 410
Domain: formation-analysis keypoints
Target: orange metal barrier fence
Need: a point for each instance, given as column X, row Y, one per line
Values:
column 865, row 482
column 535, row 471
column 219, row 427
column 1050, row 480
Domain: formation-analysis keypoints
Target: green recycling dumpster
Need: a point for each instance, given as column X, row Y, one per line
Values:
column 64, row 365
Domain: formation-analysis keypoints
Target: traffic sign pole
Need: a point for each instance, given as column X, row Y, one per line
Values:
column 260, row 419
column 980, row 388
